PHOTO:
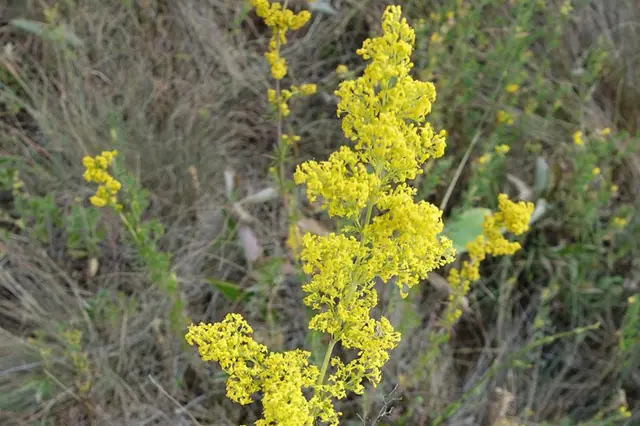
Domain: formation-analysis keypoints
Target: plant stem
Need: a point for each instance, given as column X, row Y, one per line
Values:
column 130, row 228
column 325, row 362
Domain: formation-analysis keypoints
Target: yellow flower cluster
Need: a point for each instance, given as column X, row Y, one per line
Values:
column 252, row 368
column 502, row 149
column 620, row 222
column 280, row 20
column 484, row 159
column 96, row 171
column 515, row 218
column 281, row 101
column 503, row 116
column 384, row 113
column 512, row 88
column 577, row 138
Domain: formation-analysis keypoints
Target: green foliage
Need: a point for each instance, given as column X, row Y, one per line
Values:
column 145, row 234
column 231, row 291
column 630, row 334
column 40, row 216
column 465, row 227
column 84, row 231
column 47, row 31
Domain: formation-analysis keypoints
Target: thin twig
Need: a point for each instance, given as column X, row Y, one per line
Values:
column 463, row 162
column 181, row 408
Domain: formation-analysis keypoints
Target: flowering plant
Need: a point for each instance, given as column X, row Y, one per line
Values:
column 387, row 236
column 384, row 112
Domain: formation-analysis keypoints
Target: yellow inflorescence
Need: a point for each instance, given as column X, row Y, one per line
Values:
column 620, row 222
column 512, row 88
column 342, row 69
column 503, row 116
column 280, row 20
column 96, row 171
column 577, row 138
column 515, row 218
column 502, row 149
column 384, row 113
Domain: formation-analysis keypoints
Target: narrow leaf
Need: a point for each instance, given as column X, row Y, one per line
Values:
column 230, row 291
column 542, row 175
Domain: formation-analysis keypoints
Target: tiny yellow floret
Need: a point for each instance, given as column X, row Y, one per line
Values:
column 502, row 149
column 620, row 222
column 503, row 116
column 308, row 89
column 484, row 159
column 577, row 138
column 624, row 411
column 512, row 88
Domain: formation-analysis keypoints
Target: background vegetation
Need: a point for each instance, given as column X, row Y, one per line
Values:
column 550, row 336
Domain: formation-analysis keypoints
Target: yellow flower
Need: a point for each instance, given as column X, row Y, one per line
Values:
column 308, row 89
column 343, row 182
column 624, row 411
column 278, row 64
column 512, row 88
column 516, row 216
column 88, row 162
column 620, row 222
column 614, row 188
column 502, row 149
column 387, row 236
column 566, row 8
column 606, row 131
column 484, row 159
column 631, row 300
column 342, row 69
column 436, row 38
column 97, row 201
column 503, row 116
column 280, row 20
column 577, row 138
column 596, row 171
column 108, row 186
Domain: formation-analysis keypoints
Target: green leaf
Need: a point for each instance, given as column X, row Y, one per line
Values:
column 542, row 175
column 46, row 32
column 230, row 291
column 465, row 227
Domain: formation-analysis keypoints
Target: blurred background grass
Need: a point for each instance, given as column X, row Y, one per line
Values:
column 84, row 332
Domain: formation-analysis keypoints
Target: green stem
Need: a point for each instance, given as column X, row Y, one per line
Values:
column 325, row 362
column 130, row 228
